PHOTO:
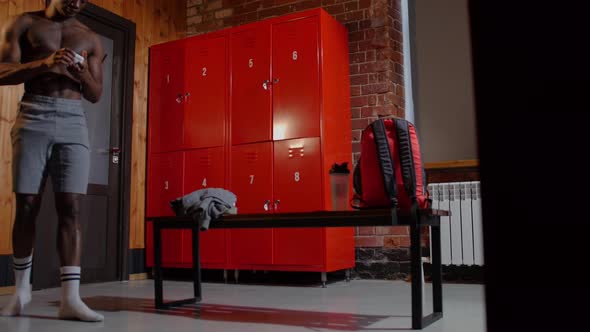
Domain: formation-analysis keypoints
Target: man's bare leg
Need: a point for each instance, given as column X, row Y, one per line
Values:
column 23, row 237
column 69, row 245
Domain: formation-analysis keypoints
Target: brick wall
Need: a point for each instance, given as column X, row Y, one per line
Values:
column 377, row 85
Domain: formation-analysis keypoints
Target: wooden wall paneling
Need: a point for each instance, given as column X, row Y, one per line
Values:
column 8, row 103
column 138, row 159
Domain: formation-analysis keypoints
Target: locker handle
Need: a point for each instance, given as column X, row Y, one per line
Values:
column 266, row 84
column 277, row 203
column 275, row 81
column 267, row 205
column 188, row 94
column 179, row 98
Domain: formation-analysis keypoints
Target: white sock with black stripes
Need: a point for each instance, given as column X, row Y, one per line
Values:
column 22, row 293
column 71, row 306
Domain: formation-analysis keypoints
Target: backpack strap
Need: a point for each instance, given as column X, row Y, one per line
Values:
column 385, row 160
column 356, row 178
column 406, row 157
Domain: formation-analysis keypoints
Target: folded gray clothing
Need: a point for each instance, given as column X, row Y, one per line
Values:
column 203, row 205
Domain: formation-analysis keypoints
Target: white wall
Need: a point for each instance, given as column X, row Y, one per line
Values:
column 442, row 79
column 409, row 106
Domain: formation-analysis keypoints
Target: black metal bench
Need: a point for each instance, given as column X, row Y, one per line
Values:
column 374, row 217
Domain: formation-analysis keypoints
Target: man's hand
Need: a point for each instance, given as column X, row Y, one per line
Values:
column 63, row 57
column 80, row 70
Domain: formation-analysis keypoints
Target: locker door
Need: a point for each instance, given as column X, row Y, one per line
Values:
column 251, row 116
column 205, row 168
column 295, row 72
column 206, row 79
column 164, row 183
column 166, row 104
column 251, row 181
column 297, row 186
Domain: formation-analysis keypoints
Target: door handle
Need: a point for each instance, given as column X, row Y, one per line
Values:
column 115, row 151
column 179, row 98
column 186, row 95
column 277, row 203
column 275, row 81
column 267, row 205
column 266, row 84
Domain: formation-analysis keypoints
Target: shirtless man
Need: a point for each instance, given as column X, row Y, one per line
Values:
column 50, row 137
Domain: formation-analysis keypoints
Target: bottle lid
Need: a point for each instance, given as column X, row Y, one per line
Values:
column 340, row 168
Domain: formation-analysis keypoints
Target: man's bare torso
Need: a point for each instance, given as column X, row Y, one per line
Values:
column 40, row 38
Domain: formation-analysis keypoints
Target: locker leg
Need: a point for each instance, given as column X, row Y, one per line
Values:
column 225, row 276
column 324, row 279
column 236, row 275
column 347, row 275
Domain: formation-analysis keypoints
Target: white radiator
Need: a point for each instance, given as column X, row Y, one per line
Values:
column 461, row 233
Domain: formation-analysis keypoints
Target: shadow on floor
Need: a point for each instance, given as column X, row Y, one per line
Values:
column 248, row 277
column 241, row 314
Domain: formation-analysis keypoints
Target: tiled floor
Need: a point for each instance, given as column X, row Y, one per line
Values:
column 361, row 305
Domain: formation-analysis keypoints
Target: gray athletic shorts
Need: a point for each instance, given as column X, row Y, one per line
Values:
column 50, row 137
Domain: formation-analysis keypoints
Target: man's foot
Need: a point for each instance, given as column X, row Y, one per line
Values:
column 17, row 303
column 77, row 310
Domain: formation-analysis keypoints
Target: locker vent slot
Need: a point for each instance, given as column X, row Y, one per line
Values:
column 292, row 34
column 250, row 42
column 296, row 152
column 205, row 161
column 252, row 157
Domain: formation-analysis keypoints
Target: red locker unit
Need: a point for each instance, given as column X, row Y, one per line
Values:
column 166, row 97
column 297, row 175
column 206, row 72
column 296, row 78
column 251, row 115
column 165, row 171
column 252, row 182
column 264, row 110
column 188, row 121
column 298, row 104
column 204, row 169
column 172, row 175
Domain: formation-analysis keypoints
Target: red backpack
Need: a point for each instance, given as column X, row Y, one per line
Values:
column 390, row 172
